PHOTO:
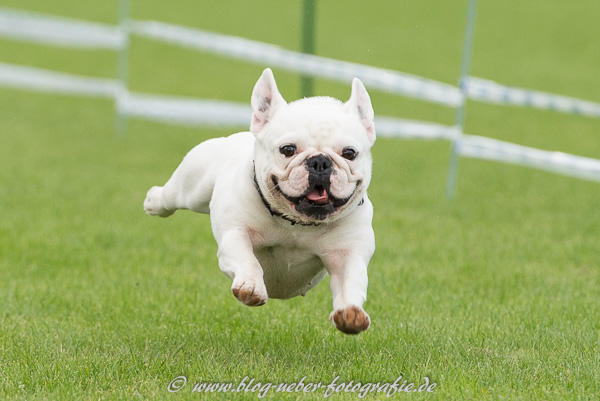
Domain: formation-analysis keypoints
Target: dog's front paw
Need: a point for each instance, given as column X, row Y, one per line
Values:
column 250, row 291
column 351, row 320
column 153, row 205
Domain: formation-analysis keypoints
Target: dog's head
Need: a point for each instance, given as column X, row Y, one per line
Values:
column 312, row 156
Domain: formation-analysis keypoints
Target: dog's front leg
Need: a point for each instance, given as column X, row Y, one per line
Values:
column 237, row 260
column 349, row 281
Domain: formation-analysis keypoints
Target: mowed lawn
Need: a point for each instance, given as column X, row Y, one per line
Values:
column 492, row 296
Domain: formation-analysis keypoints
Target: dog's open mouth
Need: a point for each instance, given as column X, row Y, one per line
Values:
column 317, row 196
column 317, row 202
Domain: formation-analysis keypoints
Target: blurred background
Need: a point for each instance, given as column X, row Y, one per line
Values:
column 545, row 47
column 549, row 48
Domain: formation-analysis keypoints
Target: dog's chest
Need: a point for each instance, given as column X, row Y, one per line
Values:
column 289, row 270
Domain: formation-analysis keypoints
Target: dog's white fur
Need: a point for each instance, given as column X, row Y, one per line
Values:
column 264, row 254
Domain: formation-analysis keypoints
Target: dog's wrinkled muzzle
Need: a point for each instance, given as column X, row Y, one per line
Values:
column 317, row 202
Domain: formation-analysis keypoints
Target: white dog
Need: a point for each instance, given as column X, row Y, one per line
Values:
column 288, row 200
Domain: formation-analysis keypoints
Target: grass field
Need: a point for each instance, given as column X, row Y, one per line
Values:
column 492, row 296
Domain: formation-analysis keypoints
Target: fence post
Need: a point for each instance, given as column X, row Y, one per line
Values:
column 308, row 43
column 124, row 11
column 459, row 121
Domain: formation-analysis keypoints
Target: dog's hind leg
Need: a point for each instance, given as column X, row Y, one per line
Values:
column 191, row 185
column 153, row 204
column 188, row 188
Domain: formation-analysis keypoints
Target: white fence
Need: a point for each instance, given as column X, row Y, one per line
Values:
column 58, row 31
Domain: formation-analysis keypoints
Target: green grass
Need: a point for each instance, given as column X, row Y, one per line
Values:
column 493, row 296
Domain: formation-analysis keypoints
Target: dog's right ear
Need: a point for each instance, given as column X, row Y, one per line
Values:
column 266, row 99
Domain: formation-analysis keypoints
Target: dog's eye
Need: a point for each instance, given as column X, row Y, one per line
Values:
column 288, row 150
column 349, row 153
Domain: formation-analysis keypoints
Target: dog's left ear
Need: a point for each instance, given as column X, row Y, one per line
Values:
column 360, row 103
column 266, row 99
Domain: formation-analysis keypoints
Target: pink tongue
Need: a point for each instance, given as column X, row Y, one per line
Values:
column 318, row 196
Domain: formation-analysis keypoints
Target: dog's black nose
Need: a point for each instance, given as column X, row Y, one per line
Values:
column 319, row 164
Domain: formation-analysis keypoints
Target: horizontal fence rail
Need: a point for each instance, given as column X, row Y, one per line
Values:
column 558, row 162
column 185, row 111
column 201, row 112
column 397, row 127
column 488, row 91
column 39, row 28
column 266, row 54
column 17, row 76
